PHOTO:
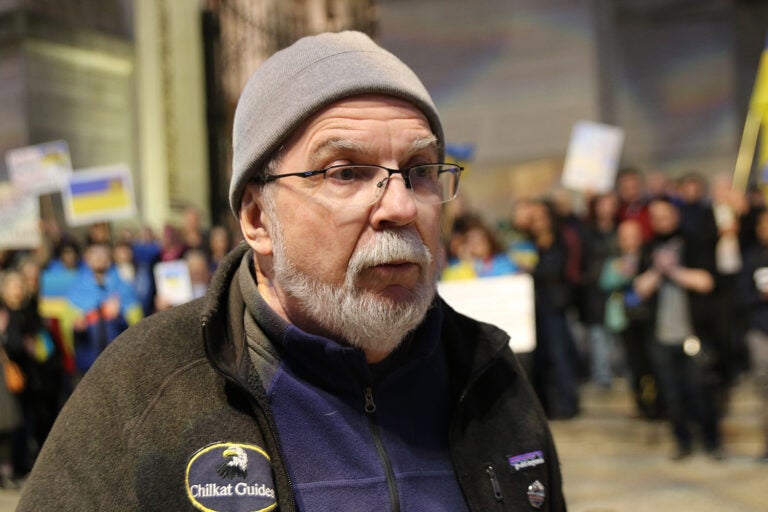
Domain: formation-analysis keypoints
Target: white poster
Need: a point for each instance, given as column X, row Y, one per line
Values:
column 593, row 157
column 98, row 194
column 19, row 219
column 39, row 169
column 504, row 301
column 173, row 282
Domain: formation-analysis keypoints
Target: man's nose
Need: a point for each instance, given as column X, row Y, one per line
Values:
column 396, row 204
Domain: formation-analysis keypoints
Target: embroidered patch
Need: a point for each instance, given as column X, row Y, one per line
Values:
column 526, row 460
column 231, row 477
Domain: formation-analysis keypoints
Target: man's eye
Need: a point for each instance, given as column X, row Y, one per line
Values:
column 346, row 174
column 429, row 172
column 351, row 173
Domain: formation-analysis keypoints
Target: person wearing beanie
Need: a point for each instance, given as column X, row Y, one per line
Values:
column 321, row 371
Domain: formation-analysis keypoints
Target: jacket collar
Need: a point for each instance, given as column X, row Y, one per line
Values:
column 223, row 339
column 323, row 359
column 465, row 340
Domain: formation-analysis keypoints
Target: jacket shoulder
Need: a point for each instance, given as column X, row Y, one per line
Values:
column 92, row 451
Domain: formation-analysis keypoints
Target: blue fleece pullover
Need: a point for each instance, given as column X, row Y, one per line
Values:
column 358, row 436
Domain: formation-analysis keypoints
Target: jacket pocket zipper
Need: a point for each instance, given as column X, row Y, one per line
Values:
column 494, row 483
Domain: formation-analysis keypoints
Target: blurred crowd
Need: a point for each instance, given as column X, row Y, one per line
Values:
column 661, row 282
column 64, row 302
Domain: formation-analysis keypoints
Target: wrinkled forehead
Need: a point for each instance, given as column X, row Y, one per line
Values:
column 353, row 114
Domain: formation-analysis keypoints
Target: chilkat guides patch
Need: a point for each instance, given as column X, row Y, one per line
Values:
column 231, row 477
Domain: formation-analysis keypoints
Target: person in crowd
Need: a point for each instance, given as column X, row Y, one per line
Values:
column 103, row 304
column 696, row 218
column 193, row 235
column 658, row 184
column 487, row 253
column 556, row 359
column 195, row 267
column 146, row 252
column 99, row 233
column 62, row 270
column 478, row 249
column 673, row 278
column 56, row 280
column 10, row 415
column 458, row 263
column 754, row 205
column 124, row 262
column 699, row 226
column 172, row 244
column 199, row 271
column 627, row 316
column 633, row 204
column 30, row 269
column 49, row 388
column 23, row 325
column 754, row 294
column 219, row 244
column 321, row 371
column 14, row 459
column 599, row 244
column 728, row 208
column 520, row 249
column 572, row 232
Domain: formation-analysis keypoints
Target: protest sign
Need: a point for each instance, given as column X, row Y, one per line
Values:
column 173, row 281
column 19, row 219
column 39, row 169
column 505, row 301
column 98, row 194
column 593, row 157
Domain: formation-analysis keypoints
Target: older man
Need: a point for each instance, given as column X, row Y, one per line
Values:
column 321, row 372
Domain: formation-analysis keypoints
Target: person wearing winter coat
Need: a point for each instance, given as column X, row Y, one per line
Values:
column 321, row 371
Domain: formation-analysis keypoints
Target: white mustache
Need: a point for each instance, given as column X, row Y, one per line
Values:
column 390, row 247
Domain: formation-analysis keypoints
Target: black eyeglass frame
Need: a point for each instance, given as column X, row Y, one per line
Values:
column 405, row 172
column 456, row 169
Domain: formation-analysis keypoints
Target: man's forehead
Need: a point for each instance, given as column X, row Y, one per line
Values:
column 346, row 119
column 334, row 144
column 347, row 110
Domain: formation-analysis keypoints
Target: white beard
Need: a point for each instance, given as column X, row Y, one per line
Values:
column 354, row 314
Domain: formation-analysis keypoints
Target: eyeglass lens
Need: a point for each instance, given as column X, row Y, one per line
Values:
column 362, row 185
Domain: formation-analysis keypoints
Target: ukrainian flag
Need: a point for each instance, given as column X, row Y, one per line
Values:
column 99, row 194
column 755, row 126
column 759, row 103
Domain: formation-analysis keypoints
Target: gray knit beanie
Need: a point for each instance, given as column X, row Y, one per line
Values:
column 298, row 81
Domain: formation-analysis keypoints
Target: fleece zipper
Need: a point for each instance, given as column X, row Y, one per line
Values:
column 370, row 409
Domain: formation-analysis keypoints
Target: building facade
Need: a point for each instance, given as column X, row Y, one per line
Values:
column 154, row 83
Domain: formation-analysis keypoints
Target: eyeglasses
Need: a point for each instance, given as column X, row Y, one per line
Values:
column 361, row 185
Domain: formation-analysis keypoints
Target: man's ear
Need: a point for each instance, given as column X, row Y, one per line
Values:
column 254, row 222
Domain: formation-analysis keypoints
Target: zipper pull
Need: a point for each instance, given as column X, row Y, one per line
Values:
column 370, row 405
column 494, row 483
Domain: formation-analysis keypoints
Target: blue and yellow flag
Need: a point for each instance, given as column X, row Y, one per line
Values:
column 758, row 103
column 99, row 194
column 755, row 127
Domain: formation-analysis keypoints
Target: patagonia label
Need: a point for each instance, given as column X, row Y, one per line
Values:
column 526, row 460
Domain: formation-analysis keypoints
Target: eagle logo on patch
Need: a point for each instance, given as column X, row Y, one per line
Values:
column 235, row 464
column 231, row 477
